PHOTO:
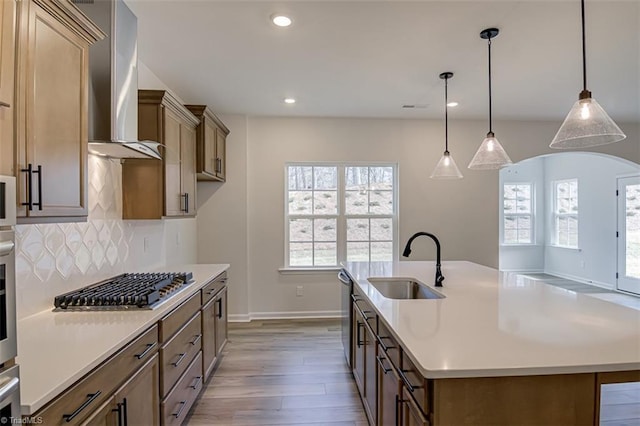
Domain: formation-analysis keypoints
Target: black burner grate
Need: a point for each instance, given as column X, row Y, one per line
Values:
column 126, row 291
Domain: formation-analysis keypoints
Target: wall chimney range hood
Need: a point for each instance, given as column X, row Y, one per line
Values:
column 113, row 83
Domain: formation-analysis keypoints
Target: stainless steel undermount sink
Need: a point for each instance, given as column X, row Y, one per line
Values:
column 404, row 288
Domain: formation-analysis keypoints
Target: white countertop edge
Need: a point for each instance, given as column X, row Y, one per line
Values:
column 31, row 407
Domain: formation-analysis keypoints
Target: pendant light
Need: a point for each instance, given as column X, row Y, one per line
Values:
column 490, row 155
column 446, row 167
column 587, row 124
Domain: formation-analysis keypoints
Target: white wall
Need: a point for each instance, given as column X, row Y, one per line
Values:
column 595, row 261
column 524, row 257
column 464, row 213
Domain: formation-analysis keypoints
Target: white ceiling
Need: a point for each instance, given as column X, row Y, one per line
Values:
column 368, row 58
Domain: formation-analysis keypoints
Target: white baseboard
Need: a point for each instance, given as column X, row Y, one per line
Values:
column 524, row 271
column 582, row 280
column 283, row 315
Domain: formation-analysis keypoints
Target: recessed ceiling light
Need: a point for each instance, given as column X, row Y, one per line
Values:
column 281, row 20
column 289, row 101
column 452, row 104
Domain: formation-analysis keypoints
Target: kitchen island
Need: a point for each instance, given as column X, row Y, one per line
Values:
column 56, row 349
column 500, row 348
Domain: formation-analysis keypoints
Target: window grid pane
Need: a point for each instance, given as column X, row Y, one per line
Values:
column 315, row 196
column 518, row 213
column 566, row 213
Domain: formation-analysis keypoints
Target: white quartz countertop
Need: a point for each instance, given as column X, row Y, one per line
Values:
column 55, row 349
column 501, row 324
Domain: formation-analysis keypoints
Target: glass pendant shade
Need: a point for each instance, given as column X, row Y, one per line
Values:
column 490, row 155
column 446, row 168
column 587, row 124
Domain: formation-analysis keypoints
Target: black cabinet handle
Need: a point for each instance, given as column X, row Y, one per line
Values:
column 4, row 105
column 180, row 358
column 194, row 386
column 182, row 405
column 90, row 398
column 196, row 340
column 406, row 381
column 364, row 315
column 185, row 205
column 384, row 347
column 219, row 301
column 39, row 172
column 398, row 420
column 358, row 325
column 124, row 412
column 355, row 298
column 29, row 172
column 118, row 410
column 150, row 346
column 384, row 369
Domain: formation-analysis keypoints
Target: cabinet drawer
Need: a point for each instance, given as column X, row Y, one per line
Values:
column 388, row 345
column 170, row 324
column 366, row 310
column 414, row 383
column 178, row 353
column 75, row 404
column 214, row 287
column 177, row 404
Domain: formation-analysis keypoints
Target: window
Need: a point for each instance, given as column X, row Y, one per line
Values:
column 565, row 213
column 339, row 212
column 518, row 213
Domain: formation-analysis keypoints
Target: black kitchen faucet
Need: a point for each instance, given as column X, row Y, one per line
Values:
column 407, row 252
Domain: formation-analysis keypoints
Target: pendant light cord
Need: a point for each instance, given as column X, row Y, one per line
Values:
column 446, row 116
column 584, row 51
column 490, row 108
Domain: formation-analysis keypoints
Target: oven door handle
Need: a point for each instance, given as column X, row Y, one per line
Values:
column 9, row 388
column 6, row 247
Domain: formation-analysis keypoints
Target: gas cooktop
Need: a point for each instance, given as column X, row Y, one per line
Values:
column 125, row 292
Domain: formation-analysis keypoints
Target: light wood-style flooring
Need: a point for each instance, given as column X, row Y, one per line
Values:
column 293, row 372
column 281, row 372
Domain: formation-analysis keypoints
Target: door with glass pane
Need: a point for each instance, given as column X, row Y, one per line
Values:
column 629, row 234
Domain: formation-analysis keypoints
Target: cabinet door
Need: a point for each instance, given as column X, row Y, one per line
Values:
column 7, row 63
column 221, row 153
column 389, row 387
column 139, row 397
column 411, row 414
column 209, row 149
column 370, row 369
column 221, row 320
column 172, row 172
column 106, row 415
column 55, row 122
column 188, row 168
column 208, row 337
column 358, row 349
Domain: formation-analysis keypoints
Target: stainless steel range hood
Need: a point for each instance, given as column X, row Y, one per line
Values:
column 113, row 83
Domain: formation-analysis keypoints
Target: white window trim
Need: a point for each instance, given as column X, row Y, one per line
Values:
column 532, row 214
column 554, row 215
column 341, row 228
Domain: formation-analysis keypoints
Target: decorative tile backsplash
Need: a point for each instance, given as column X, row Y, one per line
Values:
column 55, row 258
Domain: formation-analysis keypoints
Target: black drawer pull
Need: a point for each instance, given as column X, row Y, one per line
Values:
column 197, row 382
column 196, row 340
column 358, row 341
column 150, row 346
column 384, row 347
column 355, row 298
column 384, row 369
column 179, row 413
column 90, row 398
column 181, row 357
column 5, row 105
column 364, row 315
column 219, row 301
column 406, row 381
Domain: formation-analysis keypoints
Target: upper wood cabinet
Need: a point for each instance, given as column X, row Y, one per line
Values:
column 152, row 189
column 51, row 108
column 211, row 145
column 7, row 66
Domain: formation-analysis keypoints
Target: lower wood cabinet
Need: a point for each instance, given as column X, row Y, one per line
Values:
column 389, row 391
column 156, row 378
column 411, row 413
column 364, row 360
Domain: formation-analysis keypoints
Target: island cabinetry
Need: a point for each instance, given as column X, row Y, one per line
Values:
column 364, row 350
column 79, row 402
column 154, row 189
column 211, row 140
column 389, row 391
column 7, row 67
column 411, row 413
column 51, row 107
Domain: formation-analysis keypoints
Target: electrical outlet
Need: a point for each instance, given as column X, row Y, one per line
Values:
column 299, row 291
